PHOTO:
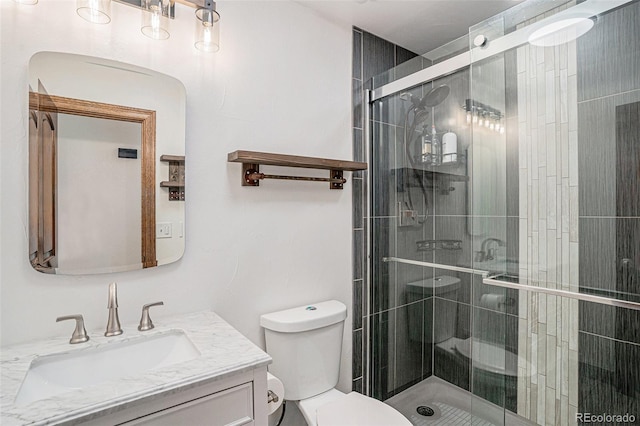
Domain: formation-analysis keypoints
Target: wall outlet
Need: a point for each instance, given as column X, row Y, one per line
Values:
column 163, row 230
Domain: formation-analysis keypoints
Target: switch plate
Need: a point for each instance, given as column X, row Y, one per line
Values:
column 163, row 230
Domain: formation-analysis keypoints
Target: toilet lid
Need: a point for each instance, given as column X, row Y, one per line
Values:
column 355, row 409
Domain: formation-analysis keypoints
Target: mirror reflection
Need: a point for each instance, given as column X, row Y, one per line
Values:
column 106, row 165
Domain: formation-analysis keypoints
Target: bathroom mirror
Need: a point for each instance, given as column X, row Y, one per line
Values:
column 106, row 165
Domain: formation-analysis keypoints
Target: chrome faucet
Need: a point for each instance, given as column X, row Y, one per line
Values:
column 80, row 333
column 486, row 253
column 145, row 320
column 113, row 323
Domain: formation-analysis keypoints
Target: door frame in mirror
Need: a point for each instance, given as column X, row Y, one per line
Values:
column 147, row 119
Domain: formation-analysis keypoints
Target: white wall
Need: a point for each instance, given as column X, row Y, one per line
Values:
column 280, row 83
column 98, row 201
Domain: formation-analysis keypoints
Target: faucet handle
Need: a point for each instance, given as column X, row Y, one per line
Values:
column 79, row 334
column 145, row 321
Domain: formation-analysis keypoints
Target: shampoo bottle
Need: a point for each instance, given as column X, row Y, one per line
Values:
column 449, row 147
column 436, row 148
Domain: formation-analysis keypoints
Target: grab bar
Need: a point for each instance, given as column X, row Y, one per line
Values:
column 486, row 279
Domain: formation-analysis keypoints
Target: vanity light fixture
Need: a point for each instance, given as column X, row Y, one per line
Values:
column 155, row 18
column 483, row 115
column 207, row 27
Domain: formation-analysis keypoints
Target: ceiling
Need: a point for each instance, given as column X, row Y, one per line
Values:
column 417, row 25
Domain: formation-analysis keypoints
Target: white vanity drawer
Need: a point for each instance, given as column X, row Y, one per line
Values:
column 232, row 406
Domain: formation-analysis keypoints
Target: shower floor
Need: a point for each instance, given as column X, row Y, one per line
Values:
column 452, row 406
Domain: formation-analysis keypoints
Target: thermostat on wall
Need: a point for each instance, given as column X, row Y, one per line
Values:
column 127, row 153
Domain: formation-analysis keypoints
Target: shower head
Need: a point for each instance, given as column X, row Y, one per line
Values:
column 434, row 97
column 420, row 116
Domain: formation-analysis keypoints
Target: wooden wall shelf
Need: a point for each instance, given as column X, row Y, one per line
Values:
column 176, row 177
column 251, row 161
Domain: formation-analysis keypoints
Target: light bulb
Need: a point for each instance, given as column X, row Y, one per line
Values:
column 207, row 30
column 154, row 23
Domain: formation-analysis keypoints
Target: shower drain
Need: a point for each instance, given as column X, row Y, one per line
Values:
column 423, row 410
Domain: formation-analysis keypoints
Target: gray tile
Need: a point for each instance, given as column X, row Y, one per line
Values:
column 357, row 353
column 513, row 246
column 409, row 325
column 608, row 55
column 449, row 365
column 609, row 321
column 453, row 228
column 378, row 57
column 497, row 329
column 511, row 83
column 382, row 163
column 357, row 55
column 628, row 160
column 358, row 304
column 598, row 257
column 357, row 103
column 382, row 338
column 597, row 155
column 358, row 254
column 383, row 274
column 512, row 166
column 609, row 376
column 359, row 153
column 428, row 345
column 357, row 195
column 406, row 63
column 628, row 258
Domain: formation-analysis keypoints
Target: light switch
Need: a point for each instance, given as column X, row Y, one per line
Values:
column 163, row 230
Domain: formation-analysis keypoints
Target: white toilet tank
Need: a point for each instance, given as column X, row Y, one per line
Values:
column 305, row 344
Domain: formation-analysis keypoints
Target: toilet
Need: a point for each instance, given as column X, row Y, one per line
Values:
column 305, row 344
column 445, row 287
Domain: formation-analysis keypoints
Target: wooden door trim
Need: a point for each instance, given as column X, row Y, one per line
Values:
column 147, row 119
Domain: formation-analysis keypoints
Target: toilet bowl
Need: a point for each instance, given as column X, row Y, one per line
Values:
column 305, row 344
column 334, row 408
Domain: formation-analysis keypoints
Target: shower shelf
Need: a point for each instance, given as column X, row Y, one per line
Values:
column 438, row 180
column 251, row 161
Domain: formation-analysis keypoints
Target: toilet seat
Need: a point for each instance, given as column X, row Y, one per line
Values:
column 354, row 409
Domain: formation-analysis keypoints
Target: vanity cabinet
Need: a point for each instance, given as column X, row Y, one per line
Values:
column 240, row 399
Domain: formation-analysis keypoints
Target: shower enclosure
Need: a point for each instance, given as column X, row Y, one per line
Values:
column 503, row 251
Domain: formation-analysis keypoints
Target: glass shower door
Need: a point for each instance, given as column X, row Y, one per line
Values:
column 569, row 174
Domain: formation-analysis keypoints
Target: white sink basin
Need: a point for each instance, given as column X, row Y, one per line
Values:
column 51, row 375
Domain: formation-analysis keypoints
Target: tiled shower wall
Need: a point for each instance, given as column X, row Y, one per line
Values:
column 608, row 97
column 371, row 56
column 578, row 115
column 548, row 328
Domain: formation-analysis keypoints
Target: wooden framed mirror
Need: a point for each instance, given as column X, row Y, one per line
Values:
column 96, row 179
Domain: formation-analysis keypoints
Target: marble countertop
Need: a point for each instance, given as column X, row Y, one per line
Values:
column 224, row 352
